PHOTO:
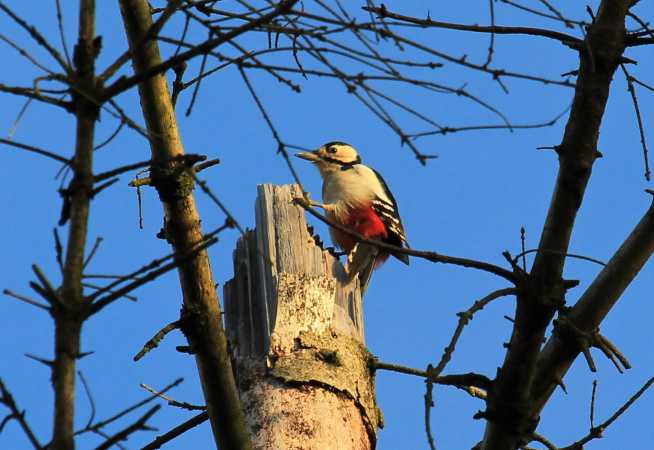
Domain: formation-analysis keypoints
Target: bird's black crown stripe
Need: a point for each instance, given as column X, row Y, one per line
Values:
column 329, row 144
column 344, row 165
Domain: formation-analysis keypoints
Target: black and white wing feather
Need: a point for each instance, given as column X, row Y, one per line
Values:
column 387, row 210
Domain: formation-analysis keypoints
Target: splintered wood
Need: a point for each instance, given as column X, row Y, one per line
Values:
column 295, row 327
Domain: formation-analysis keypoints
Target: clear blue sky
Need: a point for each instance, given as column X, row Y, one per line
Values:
column 470, row 202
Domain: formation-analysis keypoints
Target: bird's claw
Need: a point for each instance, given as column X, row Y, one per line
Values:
column 305, row 200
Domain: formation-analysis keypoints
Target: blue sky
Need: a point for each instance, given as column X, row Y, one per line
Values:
column 469, row 202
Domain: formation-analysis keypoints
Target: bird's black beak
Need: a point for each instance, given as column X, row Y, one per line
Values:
column 309, row 156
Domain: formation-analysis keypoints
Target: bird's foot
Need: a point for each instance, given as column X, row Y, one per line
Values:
column 306, row 200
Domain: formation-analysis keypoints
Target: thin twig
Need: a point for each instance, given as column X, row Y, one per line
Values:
column 87, row 390
column 561, row 37
column 99, row 425
column 543, row 440
column 59, row 249
column 522, row 247
column 24, row 53
column 124, row 84
column 556, row 252
column 96, row 246
column 27, row 300
column 111, row 137
column 156, row 339
column 171, row 401
column 62, row 35
column 592, row 405
column 491, row 45
column 281, row 148
column 597, row 431
column 474, row 384
column 566, row 21
column 231, row 220
column 177, row 431
column 119, row 170
column 429, row 404
column 38, row 37
column 40, row 151
column 15, row 413
column 139, row 425
column 19, row 117
column 641, row 128
column 196, row 88
column 102, row 302
column 464, row 319
column 558, row 14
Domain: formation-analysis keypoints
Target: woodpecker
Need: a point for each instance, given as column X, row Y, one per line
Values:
column 357, row 197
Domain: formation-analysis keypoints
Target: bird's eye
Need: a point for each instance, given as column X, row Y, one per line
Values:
column 331, row 150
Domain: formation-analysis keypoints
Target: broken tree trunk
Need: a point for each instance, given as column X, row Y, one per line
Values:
column 295, row 326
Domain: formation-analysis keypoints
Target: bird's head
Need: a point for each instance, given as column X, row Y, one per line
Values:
column 332, row 156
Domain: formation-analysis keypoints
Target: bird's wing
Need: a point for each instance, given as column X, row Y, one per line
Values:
column 386, row 208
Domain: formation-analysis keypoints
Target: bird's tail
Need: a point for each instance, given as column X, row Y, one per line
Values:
column 361, row 262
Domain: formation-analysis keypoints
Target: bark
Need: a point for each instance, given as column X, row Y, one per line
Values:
column 201, row 314
column 509, row 422
column 296, row 331
column 69, row 308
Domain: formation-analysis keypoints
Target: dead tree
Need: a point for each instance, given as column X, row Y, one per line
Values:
column 295, row 326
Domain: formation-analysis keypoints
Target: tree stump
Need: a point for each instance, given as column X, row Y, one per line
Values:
column 295, row 327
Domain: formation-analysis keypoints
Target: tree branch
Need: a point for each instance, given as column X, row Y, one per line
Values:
column 509, row 423
column 593, row 306
column 429, row 256
column 122, row 435
column 566, row 39
column 596, row 432
column 183, row 221
column 177, row 431
column 123, row 84
column 8, row 400
column 70, row 314
column 40, row 151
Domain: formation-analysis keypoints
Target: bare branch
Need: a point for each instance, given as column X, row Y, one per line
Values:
column 139, row 425
column 473, row 383
column 8, row 400
column 156, row 339
column 641, row 129
column 180, row 259
column 183, row 223
column 464, row 319
column 99, row 425
column 87, row 390
column 566, row 39
column 37, row 36
column 40, row 151
column 429, row 256
column 604, row 43
column 596, row 432
column 96, row 246
column 593, row 306
column 27, row 300
column 177, row 431
column 62, row 36
column 124, row 84
column 172, row 402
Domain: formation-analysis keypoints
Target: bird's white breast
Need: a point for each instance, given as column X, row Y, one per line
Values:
column 355, row 187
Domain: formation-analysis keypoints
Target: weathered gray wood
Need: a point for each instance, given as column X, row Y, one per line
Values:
column 295, row 326
column 281, row 243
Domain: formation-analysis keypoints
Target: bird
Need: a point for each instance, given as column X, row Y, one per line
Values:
column 357, row 197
